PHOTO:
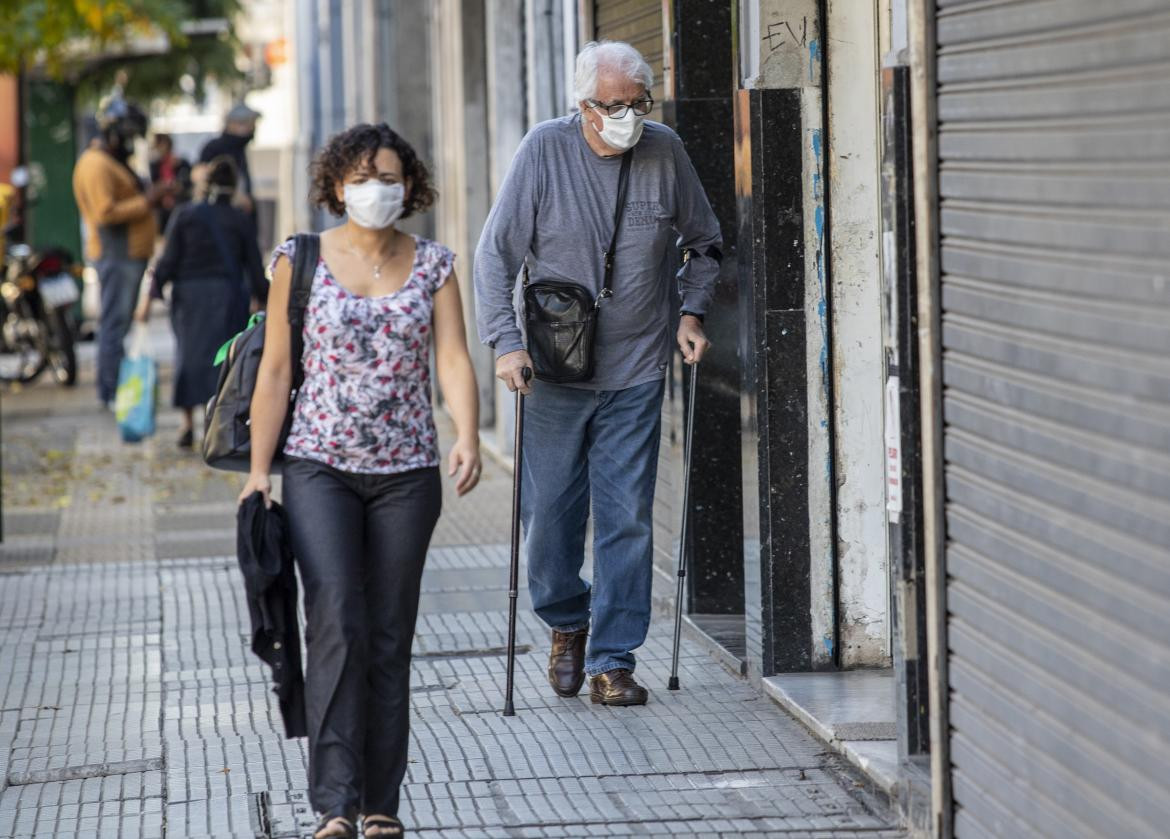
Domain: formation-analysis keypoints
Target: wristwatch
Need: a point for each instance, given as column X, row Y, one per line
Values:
column 684, row 313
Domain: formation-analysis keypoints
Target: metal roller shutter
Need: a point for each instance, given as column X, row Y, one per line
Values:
column 1054, row 178
column 639, row 23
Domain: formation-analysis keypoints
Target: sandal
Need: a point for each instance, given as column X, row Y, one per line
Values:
column 387, row 826
column 335, row 823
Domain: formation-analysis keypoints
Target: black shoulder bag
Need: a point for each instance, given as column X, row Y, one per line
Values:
column 561, row 317
column 227, row 432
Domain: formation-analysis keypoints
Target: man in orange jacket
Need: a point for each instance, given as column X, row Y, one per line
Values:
column 120, row 228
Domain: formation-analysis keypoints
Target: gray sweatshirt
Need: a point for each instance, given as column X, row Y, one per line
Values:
column 555, row 210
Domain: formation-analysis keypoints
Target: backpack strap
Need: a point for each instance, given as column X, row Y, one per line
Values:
column 306, row 254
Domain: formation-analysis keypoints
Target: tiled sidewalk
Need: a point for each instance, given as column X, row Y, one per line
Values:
column 130, row 705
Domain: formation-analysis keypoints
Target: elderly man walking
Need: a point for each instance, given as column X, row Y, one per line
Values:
column 596, row 441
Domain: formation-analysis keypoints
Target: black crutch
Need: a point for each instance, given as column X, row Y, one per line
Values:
column 682, row 544
column 514, row 574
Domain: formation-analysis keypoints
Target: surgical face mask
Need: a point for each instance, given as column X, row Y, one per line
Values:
column 622, row 133
column 374, row 205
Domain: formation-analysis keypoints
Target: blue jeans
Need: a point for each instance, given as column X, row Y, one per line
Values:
column 119, row 278
column 583, row 445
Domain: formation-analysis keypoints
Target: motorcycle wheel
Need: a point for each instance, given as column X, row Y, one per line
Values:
column 25, row 353
column 63, row 353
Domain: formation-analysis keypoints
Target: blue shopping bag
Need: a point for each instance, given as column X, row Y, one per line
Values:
column 134, row 401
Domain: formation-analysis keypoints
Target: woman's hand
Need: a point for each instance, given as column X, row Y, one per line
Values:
column 142, row 311
column 464, row 461
column 257, row 482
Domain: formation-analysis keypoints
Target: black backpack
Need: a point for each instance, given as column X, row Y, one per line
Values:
column 227, row 437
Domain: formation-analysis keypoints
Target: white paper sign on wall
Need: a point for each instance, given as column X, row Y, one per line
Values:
column 893, row 452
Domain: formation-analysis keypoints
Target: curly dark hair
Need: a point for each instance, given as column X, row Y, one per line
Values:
column 354, row 149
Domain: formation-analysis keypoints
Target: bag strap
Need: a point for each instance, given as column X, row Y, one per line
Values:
column 204, row 212
column 306, row 254
column 623, row 182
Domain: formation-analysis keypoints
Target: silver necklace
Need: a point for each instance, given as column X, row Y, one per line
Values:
column 377, row 268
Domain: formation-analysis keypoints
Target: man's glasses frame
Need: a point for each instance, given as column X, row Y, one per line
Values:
column 618, row 110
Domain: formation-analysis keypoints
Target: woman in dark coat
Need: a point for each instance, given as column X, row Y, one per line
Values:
column 213, row 261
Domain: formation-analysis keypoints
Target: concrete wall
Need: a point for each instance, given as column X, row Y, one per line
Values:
column 857, row 359
column 405, row 81
column 303, row 56
column 544, row 32
column 459, row 68
column 507, row 122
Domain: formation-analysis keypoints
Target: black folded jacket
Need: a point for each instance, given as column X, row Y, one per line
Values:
column 270, row 580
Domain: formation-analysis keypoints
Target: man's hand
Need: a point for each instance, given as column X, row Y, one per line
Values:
column 691, row 339
column 508, row 370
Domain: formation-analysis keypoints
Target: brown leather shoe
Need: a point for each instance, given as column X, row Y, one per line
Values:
column 566, row 662
column 617, row 687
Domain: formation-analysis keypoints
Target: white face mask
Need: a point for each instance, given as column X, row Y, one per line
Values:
column 374, row 205
column 622, row 133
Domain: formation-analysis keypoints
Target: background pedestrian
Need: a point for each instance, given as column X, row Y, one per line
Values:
column 239, row 129
column 171, row 170
column 213, row 264
column 120, row 225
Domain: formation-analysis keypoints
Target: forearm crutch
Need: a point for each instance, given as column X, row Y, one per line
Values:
column 682, row 544
column 514, row 572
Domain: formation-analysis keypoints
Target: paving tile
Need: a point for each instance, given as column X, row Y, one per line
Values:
column 131, row 706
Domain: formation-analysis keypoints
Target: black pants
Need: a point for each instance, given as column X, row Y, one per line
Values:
column 360, row 543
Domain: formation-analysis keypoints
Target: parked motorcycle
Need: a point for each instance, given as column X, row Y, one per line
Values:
column 38, row 330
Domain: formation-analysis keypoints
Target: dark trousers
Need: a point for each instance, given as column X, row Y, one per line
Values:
column 360, row 543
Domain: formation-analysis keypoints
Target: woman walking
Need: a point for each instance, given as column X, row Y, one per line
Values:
column 361, row 479
column 212, row 260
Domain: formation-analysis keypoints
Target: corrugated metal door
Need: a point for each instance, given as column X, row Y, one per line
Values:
column 1054, row 144
column 639, row 23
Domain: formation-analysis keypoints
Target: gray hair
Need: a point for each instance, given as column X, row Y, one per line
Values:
column 617, row 55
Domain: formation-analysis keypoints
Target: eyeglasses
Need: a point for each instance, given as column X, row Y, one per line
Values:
column 618, row 110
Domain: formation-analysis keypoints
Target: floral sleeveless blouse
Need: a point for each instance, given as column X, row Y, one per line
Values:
column 365, row 405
